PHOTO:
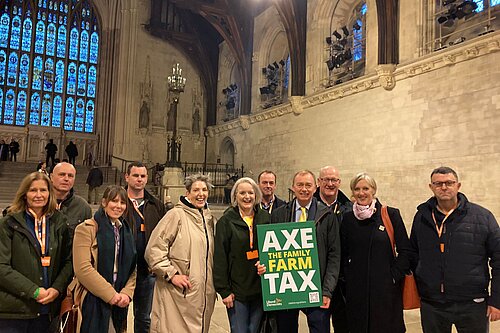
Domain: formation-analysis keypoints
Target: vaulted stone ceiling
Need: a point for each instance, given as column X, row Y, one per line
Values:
column 197, row 27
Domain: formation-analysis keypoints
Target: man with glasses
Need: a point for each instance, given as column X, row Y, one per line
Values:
column 328, row 193
column 267, row 185
column 306, row 208
column 453, row 241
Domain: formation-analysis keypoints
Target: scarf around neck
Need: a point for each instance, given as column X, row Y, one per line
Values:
column 364, row 212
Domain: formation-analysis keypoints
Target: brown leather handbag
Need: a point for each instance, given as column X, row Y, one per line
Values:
column 68, row 316
column 411, row 298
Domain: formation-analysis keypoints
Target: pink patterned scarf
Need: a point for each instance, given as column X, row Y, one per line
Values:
column 364, row 212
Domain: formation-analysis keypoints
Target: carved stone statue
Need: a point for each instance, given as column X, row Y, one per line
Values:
column 144, row 115
column 196, row 122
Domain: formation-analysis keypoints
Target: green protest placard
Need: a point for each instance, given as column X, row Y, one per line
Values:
column 292, row 279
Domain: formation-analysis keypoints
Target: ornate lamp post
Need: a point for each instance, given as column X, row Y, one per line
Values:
column 176, row 84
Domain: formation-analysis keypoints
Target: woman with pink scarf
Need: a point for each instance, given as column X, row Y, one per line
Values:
column 373, row 275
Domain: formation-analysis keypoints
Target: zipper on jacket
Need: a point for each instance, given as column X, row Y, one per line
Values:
column 206, row 274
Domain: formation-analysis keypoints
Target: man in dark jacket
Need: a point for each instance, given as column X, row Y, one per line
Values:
column 72, row 152
column 95, row 179
column 74, row 207
column 267, row 185
column 143, row 213
column 330, row 195
column 51, row 150
column 453, row 240
column 14, row 149
column 328, row 243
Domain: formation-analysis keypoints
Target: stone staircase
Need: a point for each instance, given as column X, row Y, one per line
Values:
column 11, row 174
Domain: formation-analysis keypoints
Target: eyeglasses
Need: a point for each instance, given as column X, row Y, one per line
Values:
column 330, row 180
column 448, row 183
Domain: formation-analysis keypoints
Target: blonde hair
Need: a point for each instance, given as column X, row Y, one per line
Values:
column 255, row 187
column 365, row 176
column 20, row 203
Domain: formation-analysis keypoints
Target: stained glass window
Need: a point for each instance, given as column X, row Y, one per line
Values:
column 73, row 44
column 21, row 108
column 4, row 30
column 10, row 98
column 40, row 37
column 61, row 42
column 48, row 75
column 89, row 116
column 27, row 32
column 1, row 103
column 59, row 80
column 51, row 39
column 46, row 107
column 3, row 60
column 35, row 109
column 69, row 114
column 37, row 73
column 80, row 112
column 15, row 33
column 92, row 81
column 84, row 46
column 24, row 71
column 71, row 79
column 12, row 70
column 94, row 47
column 57, row 111
column 49, row 54
column 82, row 80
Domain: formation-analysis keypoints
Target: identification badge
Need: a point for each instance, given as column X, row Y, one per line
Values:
column 45, row 261
column 252, row 254
column 143, row 227
column 381, row 228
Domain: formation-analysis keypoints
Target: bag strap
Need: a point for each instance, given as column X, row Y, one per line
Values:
column 388, row 226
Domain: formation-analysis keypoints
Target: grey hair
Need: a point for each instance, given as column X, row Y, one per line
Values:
column 365, row 176
column 256, row 190
column 190, row 180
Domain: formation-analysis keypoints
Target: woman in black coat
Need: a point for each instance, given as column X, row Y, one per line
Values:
column 373, row 276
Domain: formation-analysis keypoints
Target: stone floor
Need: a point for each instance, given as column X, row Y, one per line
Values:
column 220, row 323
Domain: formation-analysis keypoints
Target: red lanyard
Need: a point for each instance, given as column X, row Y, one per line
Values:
column 441, row 228
column 41, row 233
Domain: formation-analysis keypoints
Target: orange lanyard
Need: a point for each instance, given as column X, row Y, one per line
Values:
column 40, row 234
column 441, row 228
column 249, row 222
column 136, row 207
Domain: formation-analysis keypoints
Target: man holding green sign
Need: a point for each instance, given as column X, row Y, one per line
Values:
column 300, row 261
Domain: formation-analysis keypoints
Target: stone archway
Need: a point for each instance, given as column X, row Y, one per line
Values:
column 227, row 151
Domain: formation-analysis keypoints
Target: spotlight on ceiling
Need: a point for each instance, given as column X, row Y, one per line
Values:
column 336, row 34
column 345, row 31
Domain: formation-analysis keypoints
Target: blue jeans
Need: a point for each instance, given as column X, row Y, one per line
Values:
column 37, row 325
column 318, row 320
column 245, row 317
column 143, row 301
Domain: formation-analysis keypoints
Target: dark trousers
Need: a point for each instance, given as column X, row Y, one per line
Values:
column 37, row 325
column 468, row 317
column 245, row 317
column 318, row 320
column 72, row 159
column 48, row 158
column 338, row 310
column 13, row 157
column 143, row 301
